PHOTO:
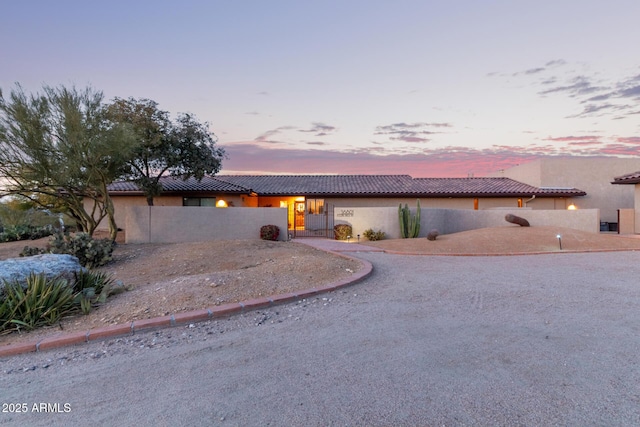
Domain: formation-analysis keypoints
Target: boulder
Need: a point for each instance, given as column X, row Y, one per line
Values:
column 52, row 265
column 513, row 219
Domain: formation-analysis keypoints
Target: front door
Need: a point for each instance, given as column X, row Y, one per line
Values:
column 299, row 211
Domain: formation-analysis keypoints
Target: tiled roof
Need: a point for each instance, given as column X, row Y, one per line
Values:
column 631, row 178
column 207, row 184
column 354, row 186
column 496, row 187
column 321, row 185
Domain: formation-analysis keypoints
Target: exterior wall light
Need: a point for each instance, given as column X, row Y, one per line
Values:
column 221, row 204
column 572, row 207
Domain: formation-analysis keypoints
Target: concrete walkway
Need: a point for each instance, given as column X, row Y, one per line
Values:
column 336, row 245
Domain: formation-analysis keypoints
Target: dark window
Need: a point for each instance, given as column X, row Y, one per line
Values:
column 199, row 201
column 315, row 206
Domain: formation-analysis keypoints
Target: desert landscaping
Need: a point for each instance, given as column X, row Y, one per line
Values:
column 174, row 278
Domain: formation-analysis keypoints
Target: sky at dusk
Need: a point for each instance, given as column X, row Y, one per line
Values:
column 426, row 88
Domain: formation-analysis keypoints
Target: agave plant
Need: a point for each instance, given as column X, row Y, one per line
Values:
column 43, row 301
column 91, row 287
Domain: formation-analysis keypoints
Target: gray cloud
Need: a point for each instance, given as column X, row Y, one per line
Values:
column 580, row 85
column 320, row 129
column 410, row 132
column 597, row 96
column 535, row 70
column 599, row 110
column 555, row 63
column 268, row 135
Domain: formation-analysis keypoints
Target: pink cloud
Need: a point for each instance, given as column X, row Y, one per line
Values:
column 251, row 158
column 629, row 140
column 593, row 139
column 452, row 162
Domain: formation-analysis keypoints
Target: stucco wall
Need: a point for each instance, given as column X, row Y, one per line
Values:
column 169, row 224
column 448, row 221
column 591, row 174
column 627, row 221
column 120, row 204
column 636, row 189
column 450, row 202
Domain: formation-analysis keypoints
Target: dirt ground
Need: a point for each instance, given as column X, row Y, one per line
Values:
column 173, row 278
column 512, row 240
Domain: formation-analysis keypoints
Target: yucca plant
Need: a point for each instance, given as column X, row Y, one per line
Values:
column 42, row 302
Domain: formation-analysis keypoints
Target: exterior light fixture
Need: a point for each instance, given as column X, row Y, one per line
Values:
column 559, row 237
column 221, row 204
column 572, row 207
column 348, row 237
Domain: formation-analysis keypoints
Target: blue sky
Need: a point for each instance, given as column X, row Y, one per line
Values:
column 428, row 88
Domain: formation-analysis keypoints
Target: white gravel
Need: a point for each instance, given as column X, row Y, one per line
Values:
column 523, row 340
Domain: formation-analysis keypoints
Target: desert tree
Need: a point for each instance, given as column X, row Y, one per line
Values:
column 182, row 148
column 59, row 144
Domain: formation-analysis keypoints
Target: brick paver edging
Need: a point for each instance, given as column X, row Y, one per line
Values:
column 216, row 312
column 564, row 251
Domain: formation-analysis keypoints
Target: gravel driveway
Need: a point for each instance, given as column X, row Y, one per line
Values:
column 516, row 340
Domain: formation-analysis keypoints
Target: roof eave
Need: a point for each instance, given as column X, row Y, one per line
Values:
column 627, row 181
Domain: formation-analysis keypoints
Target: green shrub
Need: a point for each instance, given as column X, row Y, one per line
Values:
column 31, row 251
column 269, row 232
column 14, row 233
column 342, row 231
column 374, row 235
column 90, row 252
column 42, row 302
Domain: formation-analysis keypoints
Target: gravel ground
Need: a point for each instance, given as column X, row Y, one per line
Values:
column 519, row 340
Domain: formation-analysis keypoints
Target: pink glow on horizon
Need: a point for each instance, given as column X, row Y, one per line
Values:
column 453, row 162
column 253, row 160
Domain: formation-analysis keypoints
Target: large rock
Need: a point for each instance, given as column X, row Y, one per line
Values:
column 52, row 265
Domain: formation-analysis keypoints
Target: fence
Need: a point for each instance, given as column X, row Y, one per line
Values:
column 170, row 224
column 448, row 221
column 305, row 224
column 173, row 224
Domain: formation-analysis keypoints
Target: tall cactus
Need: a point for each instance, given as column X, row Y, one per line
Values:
column 409, row 224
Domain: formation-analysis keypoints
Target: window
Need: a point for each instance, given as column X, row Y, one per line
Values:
column 199, row 201
column 315, row 206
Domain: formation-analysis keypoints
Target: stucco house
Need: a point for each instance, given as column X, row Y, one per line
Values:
column 591, row 174
column 309, row 198
column 630, row 218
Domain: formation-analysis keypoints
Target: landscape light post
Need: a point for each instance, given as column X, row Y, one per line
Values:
column 559, row 241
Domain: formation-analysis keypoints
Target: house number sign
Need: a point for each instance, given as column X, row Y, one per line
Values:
column 345, row 212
